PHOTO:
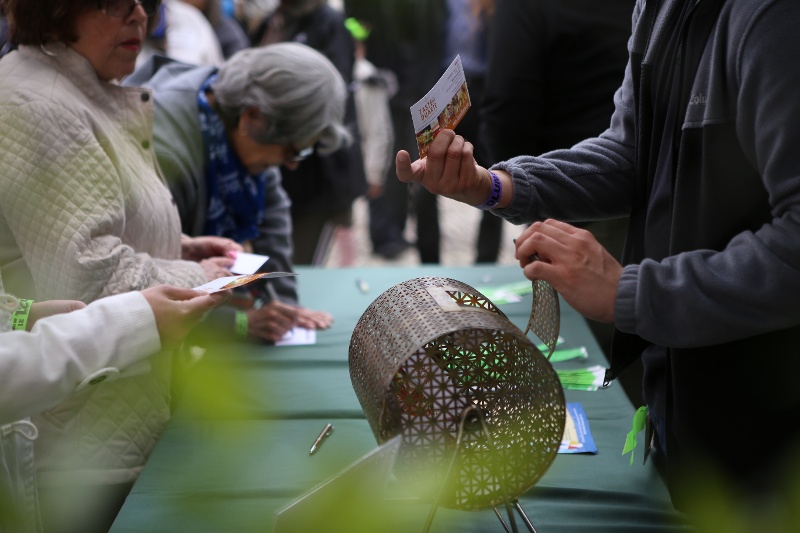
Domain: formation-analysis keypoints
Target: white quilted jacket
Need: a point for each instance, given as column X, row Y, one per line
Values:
column 61, row 354
column 84, row 214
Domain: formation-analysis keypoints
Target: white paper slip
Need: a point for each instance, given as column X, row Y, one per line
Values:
column 298, row 336
column 247, row 263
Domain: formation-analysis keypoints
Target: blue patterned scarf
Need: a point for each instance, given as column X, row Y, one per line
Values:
column 235, row 198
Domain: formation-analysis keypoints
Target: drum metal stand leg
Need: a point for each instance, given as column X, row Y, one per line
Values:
column 510, row 505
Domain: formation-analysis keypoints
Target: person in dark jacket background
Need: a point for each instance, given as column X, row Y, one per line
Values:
column 407, row 40
column 553, row 68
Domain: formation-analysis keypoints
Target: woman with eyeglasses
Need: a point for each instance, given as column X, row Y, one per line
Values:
column 85, row 214
column 220, row 137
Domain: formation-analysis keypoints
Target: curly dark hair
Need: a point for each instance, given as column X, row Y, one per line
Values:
column 38, row 22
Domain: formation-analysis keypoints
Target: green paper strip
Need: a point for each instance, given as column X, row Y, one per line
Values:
column 639, row 421
column 585, row 388
column 585, row 379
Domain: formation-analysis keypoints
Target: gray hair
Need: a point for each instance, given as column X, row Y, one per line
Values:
column 298, row 91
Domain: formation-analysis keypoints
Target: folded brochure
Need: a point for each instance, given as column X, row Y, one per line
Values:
column 577, row 436
column 442, row 108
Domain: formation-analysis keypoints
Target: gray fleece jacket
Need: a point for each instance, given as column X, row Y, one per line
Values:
column 715, row 306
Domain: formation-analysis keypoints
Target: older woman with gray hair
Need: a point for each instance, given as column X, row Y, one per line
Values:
column 220, row 136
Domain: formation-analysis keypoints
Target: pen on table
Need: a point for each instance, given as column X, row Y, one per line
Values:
column 327, row 430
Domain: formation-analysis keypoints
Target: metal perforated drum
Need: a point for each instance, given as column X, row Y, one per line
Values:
column 436, row 361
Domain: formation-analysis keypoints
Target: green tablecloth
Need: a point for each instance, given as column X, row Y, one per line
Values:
column 237, row 447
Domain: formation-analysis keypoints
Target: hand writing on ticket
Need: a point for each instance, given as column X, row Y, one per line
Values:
column 574, row 263
column 276, row 319
column 450, row 170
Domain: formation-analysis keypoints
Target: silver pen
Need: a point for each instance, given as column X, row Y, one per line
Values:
column 327, row 430
column 273, row 296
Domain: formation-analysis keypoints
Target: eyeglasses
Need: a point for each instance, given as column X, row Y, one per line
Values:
column 299, row 154
column 123, row 8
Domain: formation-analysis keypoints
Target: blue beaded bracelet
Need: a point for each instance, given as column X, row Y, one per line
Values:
column 494, row 195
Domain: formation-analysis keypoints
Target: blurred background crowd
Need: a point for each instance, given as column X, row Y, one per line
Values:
column 274, row 125
column 146, row 143
column 347, row 208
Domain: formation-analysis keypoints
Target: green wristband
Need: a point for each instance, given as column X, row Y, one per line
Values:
column 19, row 319
column 241, row 324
